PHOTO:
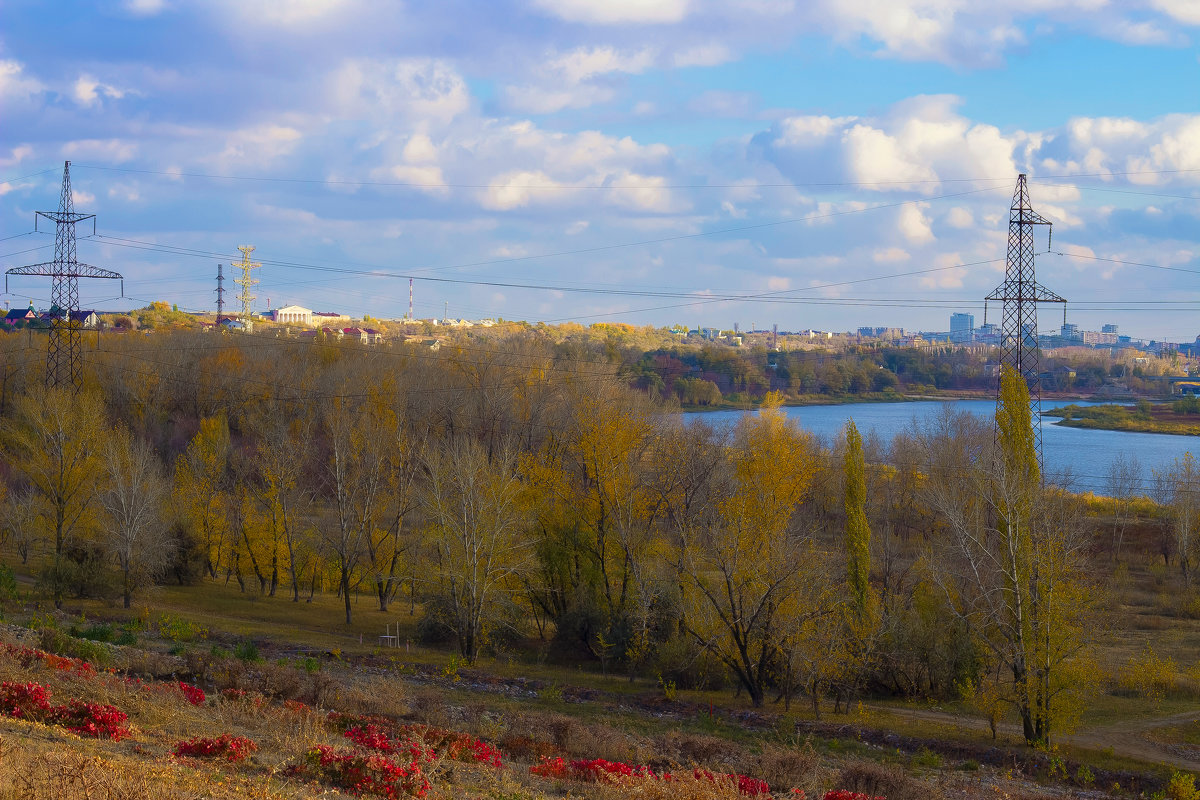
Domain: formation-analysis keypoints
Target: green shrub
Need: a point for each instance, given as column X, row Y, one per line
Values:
column 247, row 651
column 9, row 592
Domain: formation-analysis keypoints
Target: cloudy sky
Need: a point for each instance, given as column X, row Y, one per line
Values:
column 835, row 163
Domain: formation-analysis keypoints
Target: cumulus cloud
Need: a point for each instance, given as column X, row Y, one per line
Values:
column 87, row 91
column 914, row 145
column 612, row 12
column 110, row 150
column 423, row 90
column 574, row 79
column 1185, row 11
column 15, row 84
column 144, row 8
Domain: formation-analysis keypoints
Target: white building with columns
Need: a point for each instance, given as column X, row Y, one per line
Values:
column 293, row 315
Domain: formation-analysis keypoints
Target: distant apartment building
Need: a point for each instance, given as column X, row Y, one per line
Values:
column 962, row 327
column 1109, row 328
column 1070, row 331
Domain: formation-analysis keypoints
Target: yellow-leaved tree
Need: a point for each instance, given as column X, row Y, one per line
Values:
column 55, row 440
column 201, row 489
column 1014, row 566
column 746, row 568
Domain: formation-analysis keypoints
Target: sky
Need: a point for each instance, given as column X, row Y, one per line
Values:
column 824, row 164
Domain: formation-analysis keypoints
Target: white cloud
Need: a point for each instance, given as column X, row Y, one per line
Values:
column 890, row 255
column 14, row 84
column 704, row 55
column 420, row 149
column 428, row 178
column 87, row 91
column 111, row 150
column 1185, row 11
column 570, row 79
column 610, row 12
column 577, row 227
column 950, row 275
column 286, row 13
column 960, row 218
column 778, row 283
column 81, row 198
column 913, row 223
column 16, row 155
column 260, row 143
column 426, row 91
column 125, row 192
column 144, row 8
column 512, row 189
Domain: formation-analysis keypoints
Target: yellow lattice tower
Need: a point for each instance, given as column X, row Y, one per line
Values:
column 246, row 282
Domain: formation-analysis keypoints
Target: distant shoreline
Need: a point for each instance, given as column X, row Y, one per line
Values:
column 1127, row 419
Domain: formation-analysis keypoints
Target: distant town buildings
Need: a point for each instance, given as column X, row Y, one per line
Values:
column 962, row 328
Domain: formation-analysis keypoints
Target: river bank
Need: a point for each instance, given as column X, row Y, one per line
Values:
column 1159, row 419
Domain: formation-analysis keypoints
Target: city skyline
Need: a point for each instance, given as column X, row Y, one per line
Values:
column 644, row 162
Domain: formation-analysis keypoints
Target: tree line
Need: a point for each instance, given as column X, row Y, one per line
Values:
column 524, row 495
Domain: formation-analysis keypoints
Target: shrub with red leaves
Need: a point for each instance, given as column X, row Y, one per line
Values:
column 599, row 770
column 361, row 773
column 425, row 742
column 193, row 694
column 846, row 794
column 102, row 721
column 28, row 656
column 226, row 746
column 25, row 701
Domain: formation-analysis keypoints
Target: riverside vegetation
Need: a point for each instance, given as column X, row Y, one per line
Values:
column 530, row 510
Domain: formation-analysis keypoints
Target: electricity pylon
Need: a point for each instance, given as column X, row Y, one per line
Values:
column 63, row 368
column 246, row 281
column 1020, row 293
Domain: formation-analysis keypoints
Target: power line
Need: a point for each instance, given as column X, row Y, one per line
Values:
column 603, row 187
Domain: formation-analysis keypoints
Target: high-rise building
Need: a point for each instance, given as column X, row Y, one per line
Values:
column 962, row 327
column 1109, row 328
column 1070, row 331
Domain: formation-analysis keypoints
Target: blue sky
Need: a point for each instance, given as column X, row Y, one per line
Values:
column 844, row 162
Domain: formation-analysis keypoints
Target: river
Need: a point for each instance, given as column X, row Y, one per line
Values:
column 1085, row 454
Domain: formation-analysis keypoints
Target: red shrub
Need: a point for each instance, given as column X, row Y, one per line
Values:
column 599, row 770
column 361, row 773
column 92, row 719
column 193, row 694
column 226, row 746
column 25, row 700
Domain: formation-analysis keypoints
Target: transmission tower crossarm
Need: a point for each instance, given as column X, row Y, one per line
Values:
column 1035, row 294
column 75, row 270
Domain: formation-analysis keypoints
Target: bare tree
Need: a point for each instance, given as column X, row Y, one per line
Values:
column 1123, row 482
column 133, row 499
column 356, row 470
column 478, row 521
column 21, row 515
column 1177, row 488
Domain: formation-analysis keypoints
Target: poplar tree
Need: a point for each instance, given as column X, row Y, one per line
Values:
column 858, row 531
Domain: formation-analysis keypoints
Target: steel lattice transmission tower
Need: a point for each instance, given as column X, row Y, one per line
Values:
column 246, row 281
column 1020, row 293
column 63, row 366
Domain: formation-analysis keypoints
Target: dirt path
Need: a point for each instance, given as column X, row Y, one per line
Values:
column 1129, row 738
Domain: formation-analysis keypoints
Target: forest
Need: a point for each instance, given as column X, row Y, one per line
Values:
column 529, row 495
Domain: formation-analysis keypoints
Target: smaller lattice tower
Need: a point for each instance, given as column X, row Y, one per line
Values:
column 247, row 281
column 220, row 291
